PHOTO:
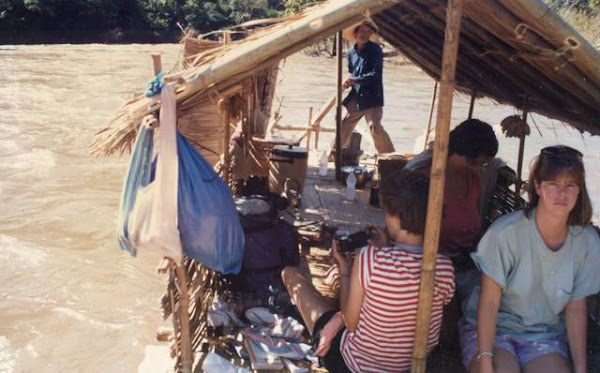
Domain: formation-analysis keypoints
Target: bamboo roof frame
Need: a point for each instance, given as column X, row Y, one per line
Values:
column 509, row 50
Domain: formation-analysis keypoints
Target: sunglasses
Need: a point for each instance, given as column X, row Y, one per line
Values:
column 562, row 151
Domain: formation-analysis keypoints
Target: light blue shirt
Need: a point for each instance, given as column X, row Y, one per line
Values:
column 537, row 283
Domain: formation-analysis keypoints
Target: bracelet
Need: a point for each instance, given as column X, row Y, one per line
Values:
column 484, row 354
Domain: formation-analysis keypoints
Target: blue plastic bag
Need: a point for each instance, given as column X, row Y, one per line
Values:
column 138, row 175
column 208, row 222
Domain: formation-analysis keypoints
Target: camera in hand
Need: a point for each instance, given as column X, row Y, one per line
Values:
column 350, row 242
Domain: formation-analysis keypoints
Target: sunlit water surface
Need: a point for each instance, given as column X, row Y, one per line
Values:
column 71, row 300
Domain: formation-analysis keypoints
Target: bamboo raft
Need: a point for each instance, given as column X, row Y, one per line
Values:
column 516, row 52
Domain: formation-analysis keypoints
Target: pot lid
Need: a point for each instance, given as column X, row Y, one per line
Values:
column 290, row 151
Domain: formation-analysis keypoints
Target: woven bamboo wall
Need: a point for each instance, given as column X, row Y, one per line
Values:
column 202, row 126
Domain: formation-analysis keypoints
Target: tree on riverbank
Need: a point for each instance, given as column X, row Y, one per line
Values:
column 79, row 21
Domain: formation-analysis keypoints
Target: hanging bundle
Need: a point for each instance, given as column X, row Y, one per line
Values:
column 138, row 176
column 515, row 126
column 152, row 224
column 210, row 229
column 178, row 204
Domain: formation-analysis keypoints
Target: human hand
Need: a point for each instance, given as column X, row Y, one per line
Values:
column 348, row 83
column 378, row 236
column 344, row 260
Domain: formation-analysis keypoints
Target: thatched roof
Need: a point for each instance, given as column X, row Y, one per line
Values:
column 509, row 50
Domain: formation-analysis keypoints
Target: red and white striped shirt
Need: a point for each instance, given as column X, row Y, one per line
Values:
column 384, row 336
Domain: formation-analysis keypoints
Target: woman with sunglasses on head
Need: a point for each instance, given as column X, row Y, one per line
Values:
column 537, row 267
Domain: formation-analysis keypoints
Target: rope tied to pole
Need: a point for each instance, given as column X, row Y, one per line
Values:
column 559, row 57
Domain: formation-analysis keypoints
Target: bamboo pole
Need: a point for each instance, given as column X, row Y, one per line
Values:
column 156, row 63
column 226, row 136
column 521, row 152
column 338, row 14
column 187, row 357
column 338, row 112
column 320, row 116
column 183, row 318
column 586, row 57
column 472, row 104
column 503, row 23
column 519, row 72
column 299, row 128
column 309, row 129
column 471, row 72
column 237, row 63
column 325, row 109
column 436, row 188
column 426, row 137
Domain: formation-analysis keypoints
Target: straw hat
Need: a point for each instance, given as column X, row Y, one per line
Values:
column 348, row 33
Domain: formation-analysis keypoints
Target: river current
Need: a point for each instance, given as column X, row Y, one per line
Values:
column 70, row 300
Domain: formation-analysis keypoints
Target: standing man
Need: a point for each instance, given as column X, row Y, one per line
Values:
column 365, row 64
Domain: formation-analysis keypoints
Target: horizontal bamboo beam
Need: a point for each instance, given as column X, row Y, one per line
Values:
column 502, row 23
column 536, row 85
column 263, row 50
column 299, row 128
column 587, row 58
column 426, row 48
column 335, row 16
column 545, row 96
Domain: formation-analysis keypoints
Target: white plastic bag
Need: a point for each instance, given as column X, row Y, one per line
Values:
column 153, row 220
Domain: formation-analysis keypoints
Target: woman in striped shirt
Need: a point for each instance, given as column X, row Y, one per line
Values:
column 375, row 329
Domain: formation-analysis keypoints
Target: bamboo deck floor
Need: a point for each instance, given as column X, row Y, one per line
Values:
column 323, row 199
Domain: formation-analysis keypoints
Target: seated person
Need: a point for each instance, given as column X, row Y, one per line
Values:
column 375, row 329
column 472, row 146
column 537, row 265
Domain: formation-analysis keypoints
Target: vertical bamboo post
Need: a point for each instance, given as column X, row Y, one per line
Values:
column 156, row 63
column 521, row 151
column 426, row 137
column 185, row 347
column 317, row 131
column 226, row 136
column 187, row 358
column 436, row 188
column 338, row 112
column 472, row 104
column 310, row 129
column 227, row 37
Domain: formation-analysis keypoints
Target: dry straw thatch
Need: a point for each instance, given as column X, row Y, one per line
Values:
column 512, row 51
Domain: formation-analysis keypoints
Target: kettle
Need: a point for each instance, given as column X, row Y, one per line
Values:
column 292, row 193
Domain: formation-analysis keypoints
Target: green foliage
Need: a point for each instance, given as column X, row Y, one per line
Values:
column 245, row 10
column 568, row 5
column 294, row 6
column 41, row 18
column 583, row 15
column 159, row 15
column 205, row 16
